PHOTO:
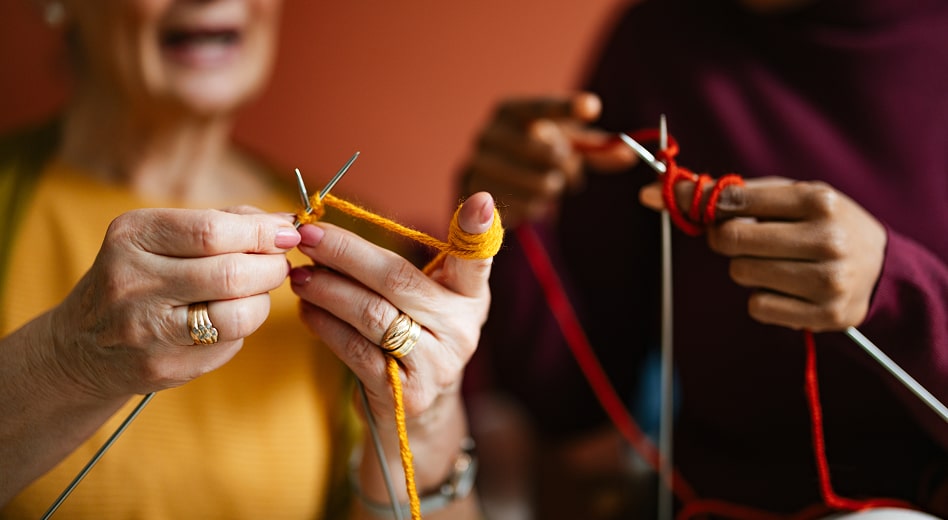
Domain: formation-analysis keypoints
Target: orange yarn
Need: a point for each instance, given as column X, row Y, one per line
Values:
column 460, row 244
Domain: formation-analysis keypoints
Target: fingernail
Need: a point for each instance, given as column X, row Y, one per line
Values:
column 311, row 235
column 299, row 276
column 286, row 238
column 486, row 213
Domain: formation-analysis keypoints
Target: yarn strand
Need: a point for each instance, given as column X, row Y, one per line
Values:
column 698, row 219
column 460, row 244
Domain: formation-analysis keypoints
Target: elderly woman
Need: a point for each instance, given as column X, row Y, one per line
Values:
column 109, row 255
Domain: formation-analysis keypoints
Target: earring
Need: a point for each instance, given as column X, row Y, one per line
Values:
column 54, row 13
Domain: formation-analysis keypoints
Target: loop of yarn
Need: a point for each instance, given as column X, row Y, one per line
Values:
column 694, row 225
column 460, row 244
column 697, row 219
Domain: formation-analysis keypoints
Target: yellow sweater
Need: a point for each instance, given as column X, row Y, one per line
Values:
column 265, row 436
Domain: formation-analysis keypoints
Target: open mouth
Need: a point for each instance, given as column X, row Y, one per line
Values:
column 195, row 47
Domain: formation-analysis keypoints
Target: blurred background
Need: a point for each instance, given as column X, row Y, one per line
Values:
column 406, row 83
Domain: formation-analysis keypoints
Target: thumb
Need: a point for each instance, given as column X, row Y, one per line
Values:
column 478, row 233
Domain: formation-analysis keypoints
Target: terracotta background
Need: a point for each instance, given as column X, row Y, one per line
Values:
column 406, row 83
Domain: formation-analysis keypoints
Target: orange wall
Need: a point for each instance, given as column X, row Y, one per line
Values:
column 405, row 82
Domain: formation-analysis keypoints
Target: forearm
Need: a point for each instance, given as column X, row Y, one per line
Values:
column 436, row 442
column 46, row 414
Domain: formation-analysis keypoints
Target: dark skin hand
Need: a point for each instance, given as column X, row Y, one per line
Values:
column 534, row 149
column 812, row 253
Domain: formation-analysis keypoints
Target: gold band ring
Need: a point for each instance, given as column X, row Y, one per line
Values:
column 401, row 336
column 199, row 325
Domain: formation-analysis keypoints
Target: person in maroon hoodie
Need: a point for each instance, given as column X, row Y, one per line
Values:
column 836, row 114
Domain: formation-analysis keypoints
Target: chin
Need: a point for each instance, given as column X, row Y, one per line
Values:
column 219, row 96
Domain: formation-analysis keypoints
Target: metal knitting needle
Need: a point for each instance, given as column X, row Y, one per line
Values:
column 914, row 386
column 304, row 196
column 369, row 418
column 666, row 419
column 643, row 152
column 380, row 452
column 98, row 455
column 141, row 405
column 857, row 337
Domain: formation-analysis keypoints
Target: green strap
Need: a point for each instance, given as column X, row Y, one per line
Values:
column 22, row 158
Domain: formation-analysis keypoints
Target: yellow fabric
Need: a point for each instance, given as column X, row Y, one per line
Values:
column 262, row 437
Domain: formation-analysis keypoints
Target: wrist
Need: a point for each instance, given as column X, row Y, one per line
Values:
column 456, row 486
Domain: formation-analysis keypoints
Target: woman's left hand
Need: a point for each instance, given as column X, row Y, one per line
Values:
column 355, row 290
column 813, row 254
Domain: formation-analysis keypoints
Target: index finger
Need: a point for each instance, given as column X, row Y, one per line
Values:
column 190, row 233
column 583, row 106
column 768, row 199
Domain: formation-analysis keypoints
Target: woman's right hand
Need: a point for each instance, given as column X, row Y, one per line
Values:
column 124, row 328
column 534, row 149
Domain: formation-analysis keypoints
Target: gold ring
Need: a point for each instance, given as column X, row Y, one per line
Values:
column 401, row 336
column 199, row 324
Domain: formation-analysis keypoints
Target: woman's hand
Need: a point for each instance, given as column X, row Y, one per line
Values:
column 351, row 295
column 356, row 289
column 124, row 328
column 533, row 150
column 812, row 253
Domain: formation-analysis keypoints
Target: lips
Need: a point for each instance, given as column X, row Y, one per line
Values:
column 200, row 47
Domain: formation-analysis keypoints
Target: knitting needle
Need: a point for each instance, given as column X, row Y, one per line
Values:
column 370, row 419
column 141, row 405
column 98, row 455
column 857, row 337
column 666, row 419
column 643, row 152
column 914, row 386
column 304, row 196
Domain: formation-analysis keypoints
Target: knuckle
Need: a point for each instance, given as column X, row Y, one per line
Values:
column 373, row 314
column 820, row 198
column 833, row 243
column 832, row 279
column 244, row 321
column 403, row 278
column 739, row 271
column 206, row 231
column 834, row 315
column 232, row 276
column 725, row 238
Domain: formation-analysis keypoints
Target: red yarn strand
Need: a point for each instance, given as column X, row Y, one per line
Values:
column 578, row 343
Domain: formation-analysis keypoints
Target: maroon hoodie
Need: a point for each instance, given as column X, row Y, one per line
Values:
column 850, row 92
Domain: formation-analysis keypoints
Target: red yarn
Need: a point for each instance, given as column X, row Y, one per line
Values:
column 575, row 337
column 819, row 444
column 586, row 358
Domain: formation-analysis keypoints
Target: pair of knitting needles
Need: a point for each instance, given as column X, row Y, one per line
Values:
column 666, row 418
column 147, row 398
column 857, row 337
column 369, row 418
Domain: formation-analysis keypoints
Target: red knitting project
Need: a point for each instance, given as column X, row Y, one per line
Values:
column 699, row 217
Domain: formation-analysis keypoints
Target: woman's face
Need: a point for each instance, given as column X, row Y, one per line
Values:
column 202, row 56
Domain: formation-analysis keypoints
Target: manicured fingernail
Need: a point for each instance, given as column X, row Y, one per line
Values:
column 311, row 235
column 286, row 238
column 299, row 275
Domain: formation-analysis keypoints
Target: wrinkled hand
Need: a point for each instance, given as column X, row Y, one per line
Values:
column 533, row 150
column 812, row 253
column 123, row 329
column 356, row 289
